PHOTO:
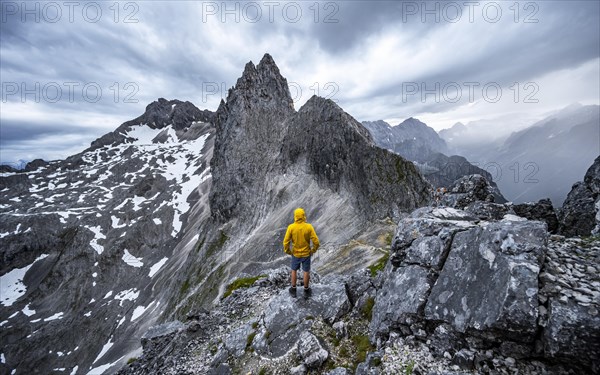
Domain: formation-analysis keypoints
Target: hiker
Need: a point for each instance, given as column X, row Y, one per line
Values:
column 300, row 233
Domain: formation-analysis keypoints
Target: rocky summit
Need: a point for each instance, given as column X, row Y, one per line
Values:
column 157, row 250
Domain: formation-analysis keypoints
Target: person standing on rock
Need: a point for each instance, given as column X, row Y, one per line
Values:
column 300, row 234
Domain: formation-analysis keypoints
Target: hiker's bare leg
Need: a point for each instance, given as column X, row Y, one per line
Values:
column 306, row 278
column 293, row 278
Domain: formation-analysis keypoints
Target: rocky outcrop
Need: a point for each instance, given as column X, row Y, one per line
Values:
column 429, row 251
column 469, row 189
column 580, row 214
column 158, row 115
column 250, row 129
column 259, row 327
column 286, row 317
column 467, row 286
column 541, row 210
column 339, row 151
column 498, row 285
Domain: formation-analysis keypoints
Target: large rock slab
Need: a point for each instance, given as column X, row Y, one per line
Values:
column 399, row 300
column 572, row 333
column 490, row 279
column 427, row 221
column 310, row 350
column 286, row 317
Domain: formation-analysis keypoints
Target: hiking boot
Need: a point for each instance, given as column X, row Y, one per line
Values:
column 293, row 291
column 307, row 292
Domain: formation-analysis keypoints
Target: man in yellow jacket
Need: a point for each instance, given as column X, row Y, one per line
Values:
column 300, row 233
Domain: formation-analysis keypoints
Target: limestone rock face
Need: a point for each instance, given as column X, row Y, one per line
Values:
column 579, row 215
column 465, row 283
column 473, row 277
column 498, row 285
column 340, row 152
column 250, row 129
column 261, row 138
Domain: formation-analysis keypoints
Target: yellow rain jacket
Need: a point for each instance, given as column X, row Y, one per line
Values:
column 300, row 233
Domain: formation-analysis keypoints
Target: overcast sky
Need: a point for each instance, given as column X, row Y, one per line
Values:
column 72, row 71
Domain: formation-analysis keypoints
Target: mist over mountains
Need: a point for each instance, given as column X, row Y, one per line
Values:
column 539, row 161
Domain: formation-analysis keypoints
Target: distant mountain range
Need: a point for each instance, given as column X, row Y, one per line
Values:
column 411, row 139
column 542, row 160
column 415, row 141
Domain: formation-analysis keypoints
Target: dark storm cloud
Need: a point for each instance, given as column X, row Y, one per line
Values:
column 352, row 21
column 13, row 131
column 565, row 36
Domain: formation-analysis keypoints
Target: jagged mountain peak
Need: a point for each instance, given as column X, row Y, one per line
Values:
column 163, row 112
column 250, row 128
column 261, row 84
column 413, row 122
column 327, row 111
column 160, row 114
column 459, row 126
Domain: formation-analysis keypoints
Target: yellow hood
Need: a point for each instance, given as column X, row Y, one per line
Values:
column 299, row 215
column 301, row 234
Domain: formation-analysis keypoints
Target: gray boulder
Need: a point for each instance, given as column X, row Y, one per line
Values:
column 488, row 211
column 310, row 350
column 469, row 189
column 489, row 281
column 399, row 301
column 573, row 333
column 285, row 317
column 542, row 210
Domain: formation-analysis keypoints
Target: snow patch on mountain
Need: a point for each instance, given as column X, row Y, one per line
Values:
column 11, row 283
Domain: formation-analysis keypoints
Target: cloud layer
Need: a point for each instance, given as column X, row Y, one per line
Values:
column 72, row 71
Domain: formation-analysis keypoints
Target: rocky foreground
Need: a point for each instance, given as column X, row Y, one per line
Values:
column 460, row 293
